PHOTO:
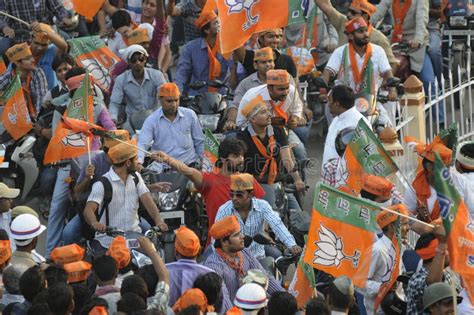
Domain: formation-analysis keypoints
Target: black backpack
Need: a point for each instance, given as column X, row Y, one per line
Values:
column 87, row 231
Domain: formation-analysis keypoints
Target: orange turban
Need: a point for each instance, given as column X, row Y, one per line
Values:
column 66, row 254
column 384, row 217
column 205, row 18
column 187, row 242
column 278, row 77
column 234, row 311
column 99, row 310
column 428, row 252
column 225, row 227
column 428, row 151
column 253, row 107
column 263, row 54
column 355, row 24
column 77, row 271
column 377, row 185
column 191, row 297
column 241, row 182
column 364, row 6
column 18, row 52
column 169, row 90
column 5, row 251
column 138, row 36
column 119, row 251
column 120, row 134
column 122, row 152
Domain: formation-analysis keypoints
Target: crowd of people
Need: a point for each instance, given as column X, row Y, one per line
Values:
column 163, row 47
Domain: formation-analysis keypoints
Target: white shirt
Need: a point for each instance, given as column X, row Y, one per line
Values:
column 292, row 104
column 379, row 60
column 465, row 307
column 350, row 118
column 123, row 208
column 116, row 44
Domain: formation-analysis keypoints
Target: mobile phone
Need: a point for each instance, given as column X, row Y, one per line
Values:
column 132, row 243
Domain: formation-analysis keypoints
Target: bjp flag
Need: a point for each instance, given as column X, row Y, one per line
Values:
column 67, row 143
column 458, row 223
column 341, row 234
column 240, row 19
column 3, row 66
column 303, row 284
column 87, row 8
column 15, row 116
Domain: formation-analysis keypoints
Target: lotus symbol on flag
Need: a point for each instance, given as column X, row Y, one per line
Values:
column 74, row 140
column 330, row 252
column 236, row 6
column 342, row 174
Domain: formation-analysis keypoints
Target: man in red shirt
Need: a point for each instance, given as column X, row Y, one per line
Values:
column 214, row 187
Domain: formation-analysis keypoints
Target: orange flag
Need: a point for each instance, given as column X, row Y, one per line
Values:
column 303, row 283
column 3, row 66
column 67, row 143
column 341, row 234
column 81, row 126
column 241, row 19
column 15, row 116
column 87, row 8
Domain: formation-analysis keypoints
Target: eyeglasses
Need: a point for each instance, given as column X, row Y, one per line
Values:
column 237, row 194
column 135, row 59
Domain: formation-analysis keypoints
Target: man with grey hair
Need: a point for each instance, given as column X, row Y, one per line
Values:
column 11, row 282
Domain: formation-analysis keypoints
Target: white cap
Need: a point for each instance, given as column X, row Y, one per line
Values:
column 25, row 228
column 251, row 296
column 128, row 52
column 7, row 192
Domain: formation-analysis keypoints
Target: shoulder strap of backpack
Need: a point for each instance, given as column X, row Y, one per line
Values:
column 107, row 198
column 135, row 178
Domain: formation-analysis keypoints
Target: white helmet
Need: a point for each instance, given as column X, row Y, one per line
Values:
column 251, row 296
column 25, row 228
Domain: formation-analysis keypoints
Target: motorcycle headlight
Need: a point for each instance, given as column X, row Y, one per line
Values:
column 457, row 21
column 168, row 201
column 209, row 121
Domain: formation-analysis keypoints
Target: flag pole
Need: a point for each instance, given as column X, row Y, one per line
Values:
column 89, row 151
column 131, row 145
column 407, row 217
column 15, row 18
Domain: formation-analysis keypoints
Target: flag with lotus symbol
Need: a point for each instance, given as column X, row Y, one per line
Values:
column 94, row 56
column 240, row 19
column 211, row 147
column 364, row 154
column 341, row 234
column 67, row 143
column 303, row 284
column 15, row 117
column 458, row 224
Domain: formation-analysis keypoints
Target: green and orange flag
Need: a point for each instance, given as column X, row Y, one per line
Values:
column 67, row 142
column 15, row 116
column 303, row 284
column 458, row 224
column 341, row 234
column 211, row 147
column 94, row 56
column 364, row 154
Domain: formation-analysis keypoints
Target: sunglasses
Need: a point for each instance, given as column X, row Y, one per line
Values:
column 238, row 194
column 135, row 59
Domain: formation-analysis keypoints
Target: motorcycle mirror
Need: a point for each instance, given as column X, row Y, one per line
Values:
column 319, row 82
column 215, row 83
column 393, row 82
column 197, row 85
column 247, row 241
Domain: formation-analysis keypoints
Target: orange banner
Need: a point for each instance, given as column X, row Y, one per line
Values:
column 87, row 8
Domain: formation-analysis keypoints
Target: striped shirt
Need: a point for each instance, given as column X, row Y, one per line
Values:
column 123, row 208
column 229, row 275
column 260, row 213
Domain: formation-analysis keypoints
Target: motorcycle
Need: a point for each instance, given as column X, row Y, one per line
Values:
column 210, row 107
column 313, row 96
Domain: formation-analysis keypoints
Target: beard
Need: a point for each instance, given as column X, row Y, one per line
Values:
column 361, row 42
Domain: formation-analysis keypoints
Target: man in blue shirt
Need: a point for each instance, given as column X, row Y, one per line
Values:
column 200, row 60
column 45, row 44
column 172, row 129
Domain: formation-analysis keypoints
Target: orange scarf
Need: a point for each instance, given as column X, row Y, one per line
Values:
column 399, row 14
column 423, row 193
column 238, row 267
column 214, row 64
column 355, row 70
column 279, row 111
column 270, row 163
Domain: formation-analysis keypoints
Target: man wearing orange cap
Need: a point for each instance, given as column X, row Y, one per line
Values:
column 33, row 79
column 45, row 45
column 200, row 59
column 173, row 129
column 186, row 270
column 383, row 254
column 263, row 61
column 253, row 214
column 270, row 38
column 380, row 190
column 358, row 8
column 361, row 65
column 122, row 210
column 231, row 260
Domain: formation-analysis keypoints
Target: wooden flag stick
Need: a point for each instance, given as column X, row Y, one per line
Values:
column 15, row 18
column 132, row 145
column 408, row 217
